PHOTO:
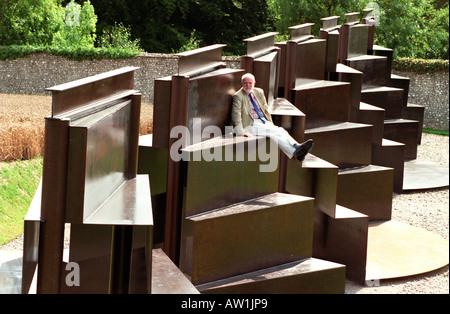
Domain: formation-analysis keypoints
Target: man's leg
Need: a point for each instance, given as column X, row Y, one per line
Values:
column 279, row 135
column 284, row 140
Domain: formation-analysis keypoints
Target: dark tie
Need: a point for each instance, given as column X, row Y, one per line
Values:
column 255, row 106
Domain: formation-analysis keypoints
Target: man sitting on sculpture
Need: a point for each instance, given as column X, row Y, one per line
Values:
column 251, row 117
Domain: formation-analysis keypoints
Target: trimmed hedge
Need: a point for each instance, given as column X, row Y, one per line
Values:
column 75, row 53
column 92, row 53
column 420, row 65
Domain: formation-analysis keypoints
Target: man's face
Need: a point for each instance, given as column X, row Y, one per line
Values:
column 248, row 85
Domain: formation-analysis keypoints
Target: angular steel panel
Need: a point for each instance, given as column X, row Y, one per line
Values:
column 323, row 102
column 210, row 98
column 261, row 44
column 98, row 157
column 343, row 144
column 77, row 94
column 246, row 237
column 200, row 60
column 161, row 110
column 367, row 190
column 343, row 239
column 358, row 40
column 233, row 177
column 311, row 59
column 308, row 276
column 265, row 70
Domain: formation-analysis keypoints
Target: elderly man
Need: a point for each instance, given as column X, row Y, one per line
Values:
column 251, row 117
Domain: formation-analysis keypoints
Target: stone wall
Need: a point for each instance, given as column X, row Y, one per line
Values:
column 430, row 90
column 34, row 74
column 39, row 71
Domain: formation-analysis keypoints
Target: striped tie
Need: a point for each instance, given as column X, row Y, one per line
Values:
column 255, row 106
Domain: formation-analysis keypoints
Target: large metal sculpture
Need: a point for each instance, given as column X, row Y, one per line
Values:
column 224, row 216
column 89, row 181
column 90, row 185
column 194, row 196
column 352, row 203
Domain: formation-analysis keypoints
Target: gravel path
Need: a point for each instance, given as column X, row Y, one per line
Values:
column 428, row 209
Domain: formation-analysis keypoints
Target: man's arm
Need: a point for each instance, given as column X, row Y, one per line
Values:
column 236, row 115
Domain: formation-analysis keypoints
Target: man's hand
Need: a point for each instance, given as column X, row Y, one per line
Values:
column 247, row 134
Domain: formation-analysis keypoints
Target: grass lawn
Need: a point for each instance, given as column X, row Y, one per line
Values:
column 18, row 183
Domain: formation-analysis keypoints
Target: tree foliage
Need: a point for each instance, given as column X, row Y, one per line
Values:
column 290, row 13
column 413, row 28
column 78, row 28
column 45, row 23
column 118, row 36
column 30, row 22
column 168, row 25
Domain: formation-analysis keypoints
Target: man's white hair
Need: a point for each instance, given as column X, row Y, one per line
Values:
column 249, row 75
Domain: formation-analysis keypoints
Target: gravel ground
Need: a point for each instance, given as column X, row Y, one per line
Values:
column 428, row 209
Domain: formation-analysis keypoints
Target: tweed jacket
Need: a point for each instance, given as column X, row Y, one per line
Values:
column 241, row 110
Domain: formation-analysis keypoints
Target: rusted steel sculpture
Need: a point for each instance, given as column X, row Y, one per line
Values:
column 213, row 218
column 220, row 213
column 90, row 181
column 361, row 190
column 263, row 60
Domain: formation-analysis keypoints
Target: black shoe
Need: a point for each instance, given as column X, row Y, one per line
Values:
column 303, row 149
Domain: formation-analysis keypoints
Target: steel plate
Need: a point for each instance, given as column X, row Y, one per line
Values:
column 397, row 250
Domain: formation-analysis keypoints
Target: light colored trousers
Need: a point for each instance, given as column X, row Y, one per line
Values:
column 279, row 135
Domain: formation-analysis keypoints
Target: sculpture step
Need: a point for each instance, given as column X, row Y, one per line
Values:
column 344, row 144
column 374, row 68
column 402, row 83
column 369, row 114
column 343, row 239
column 167, row 278
column 252, row 235
column 415, row 112
column 316, row 178
column 409, row 111
column 289, row 117
column 307, row 276
column 368, row 190
column 388, row 98
column 236, row 175
column 391, row 154
column 323, row 102
column 385, row 52
column 345, row 73
column 340, row 233
column 403, row 131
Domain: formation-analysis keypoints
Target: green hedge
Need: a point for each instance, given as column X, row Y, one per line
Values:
column 76, row 53
column 420, row 65
column 91, row 53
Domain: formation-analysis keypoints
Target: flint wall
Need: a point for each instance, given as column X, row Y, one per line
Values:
column 33, row 74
